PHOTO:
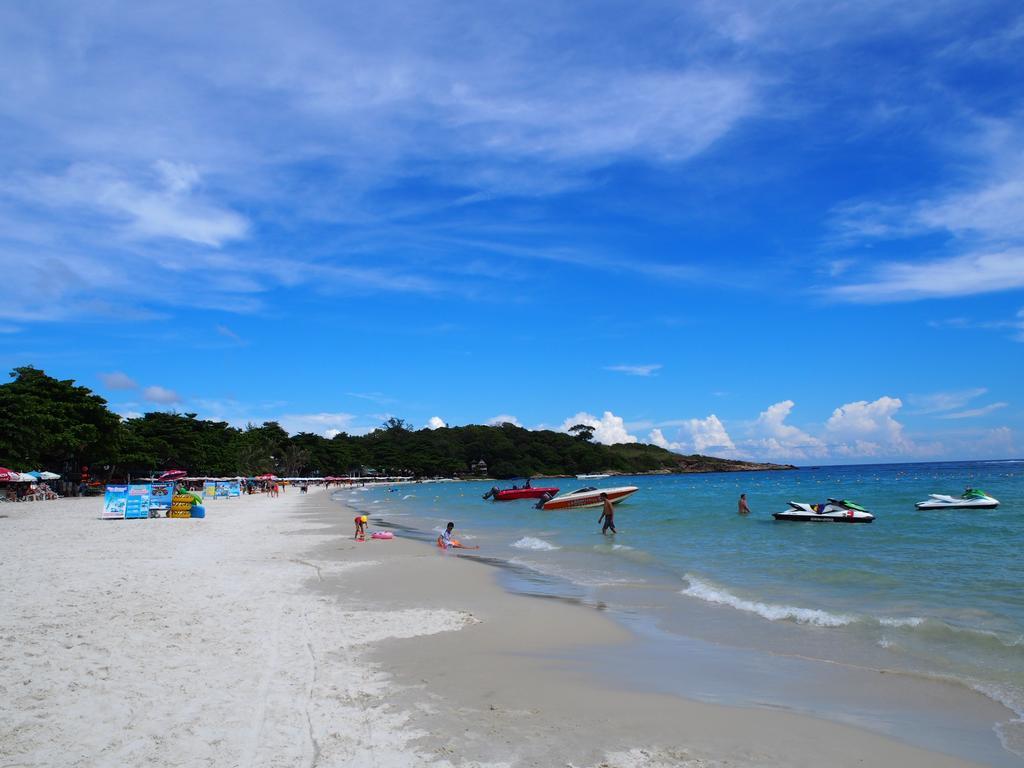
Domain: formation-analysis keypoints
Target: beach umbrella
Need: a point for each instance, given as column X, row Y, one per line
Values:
column 267, row 476
column 26, row 477
column 173, row 474
column 44, row 475
column 8, row 475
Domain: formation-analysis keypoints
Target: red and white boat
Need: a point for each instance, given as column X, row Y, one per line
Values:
column 589, row 497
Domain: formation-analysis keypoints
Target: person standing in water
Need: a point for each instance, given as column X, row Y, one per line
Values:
column 743, row 508
column 607, row 514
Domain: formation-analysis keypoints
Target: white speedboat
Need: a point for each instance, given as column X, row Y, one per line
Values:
column 972, row 498
column 589, row 497
column 832, row 511
column 592, row 477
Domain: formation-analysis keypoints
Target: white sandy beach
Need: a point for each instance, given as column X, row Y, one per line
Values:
column 264, row 636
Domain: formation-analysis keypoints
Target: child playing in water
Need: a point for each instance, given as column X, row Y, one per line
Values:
column 445, row 540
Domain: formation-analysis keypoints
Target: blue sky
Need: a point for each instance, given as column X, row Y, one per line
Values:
column 779, row 230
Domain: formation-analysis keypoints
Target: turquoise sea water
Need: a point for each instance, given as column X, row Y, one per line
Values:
column 937, row 595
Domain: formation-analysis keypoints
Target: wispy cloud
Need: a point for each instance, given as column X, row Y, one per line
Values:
column 161, row 204
column 160, row 395
column 118, row 380
column 137, row 153
column 978, row 213
column 974, row 412
column 227, row 333
column 942, row 278
column 937, row 402
column 374, row 397
column 1015, row 325
column 635, row 370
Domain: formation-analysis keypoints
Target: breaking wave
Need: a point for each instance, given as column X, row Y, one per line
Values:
column 529, row 542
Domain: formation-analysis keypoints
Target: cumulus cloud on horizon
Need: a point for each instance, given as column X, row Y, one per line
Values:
column 609, row 429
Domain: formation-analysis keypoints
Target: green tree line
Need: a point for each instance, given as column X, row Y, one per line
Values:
column 47, row 423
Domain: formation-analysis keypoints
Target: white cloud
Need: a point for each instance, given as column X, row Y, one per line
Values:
column 974, row 412
column 502, row 418
column 118, row 380
column 162, row 395
column 227, row 333
column 995, row 443
column 938, row 402
column 635, row 370
column 324, row 423
column 695, row 436
column 774, row 438
column 708, row 434
column 122, row 142
column 436, row 422
column 160, row 204
column 867, row 428
column 979, row 213
column 965, row 275
column 657, row 437
column 609, row 429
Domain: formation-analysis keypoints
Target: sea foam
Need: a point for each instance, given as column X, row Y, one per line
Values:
column 529, row 542
column 710, row 593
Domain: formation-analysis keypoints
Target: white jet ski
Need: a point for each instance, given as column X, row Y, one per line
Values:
column 833, row 511
column 972, row 498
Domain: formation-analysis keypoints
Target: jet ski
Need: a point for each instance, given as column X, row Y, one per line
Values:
column 832, row 511
column 972, row 498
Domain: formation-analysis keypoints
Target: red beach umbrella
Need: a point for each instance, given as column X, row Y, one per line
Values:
column 9, row 475
column 266, row 477
column 173, row 474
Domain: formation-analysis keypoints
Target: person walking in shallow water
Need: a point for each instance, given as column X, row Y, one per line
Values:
column 607, row 514
column 743, row 508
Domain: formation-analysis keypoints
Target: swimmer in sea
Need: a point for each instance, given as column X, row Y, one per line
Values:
column 743, row 508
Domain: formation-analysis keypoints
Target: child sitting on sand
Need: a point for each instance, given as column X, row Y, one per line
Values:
column 445, row 540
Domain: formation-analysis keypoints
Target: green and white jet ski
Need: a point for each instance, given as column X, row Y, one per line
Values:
column 972, row 498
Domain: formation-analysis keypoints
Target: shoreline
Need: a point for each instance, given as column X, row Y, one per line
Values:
column 555, row 662
column 264, row 635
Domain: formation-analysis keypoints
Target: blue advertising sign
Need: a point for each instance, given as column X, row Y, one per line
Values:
column 160, row 495
column 234, row 489
column 222, row 490
column 115, row 501
column 137, row 502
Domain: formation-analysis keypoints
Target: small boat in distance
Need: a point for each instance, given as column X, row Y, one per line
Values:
column 592, row 477
column 833, row 511
column 972, row 498
column 513, row 494
column 589, row 497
